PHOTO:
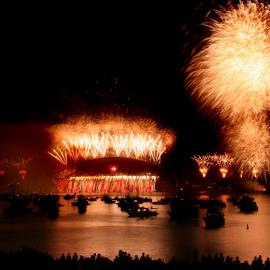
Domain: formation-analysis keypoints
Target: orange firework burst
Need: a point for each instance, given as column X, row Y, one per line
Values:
column 86, row 138
column 249, row 143
column 204, row 162
column 223, row 162
column 232, row 73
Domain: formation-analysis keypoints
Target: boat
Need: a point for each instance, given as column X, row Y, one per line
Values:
column 92, row 199
column 46, row 202
column 142, row 212
column 162, row 201
column 18, row 205
column 82, row 201
column 141, row 200
column 107, row 199
column 246, row 204
column 214, row 218
column 69, row 197
column 127, row 203
column 234, row 199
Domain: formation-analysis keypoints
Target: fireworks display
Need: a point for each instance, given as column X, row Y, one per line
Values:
column 223, row 162
column 86, row 138
column 103, row 184
column 249, row 144
column 231, row 74
column 204, row 162
column 231, row 77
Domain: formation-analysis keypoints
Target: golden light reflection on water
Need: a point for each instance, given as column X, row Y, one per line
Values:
column 105, row 229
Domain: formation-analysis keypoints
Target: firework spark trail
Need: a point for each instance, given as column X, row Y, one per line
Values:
column 231, row 74
column 223, row 162
column 140, row 139
column 59, row 155
column 204, row 162
column 107, row 183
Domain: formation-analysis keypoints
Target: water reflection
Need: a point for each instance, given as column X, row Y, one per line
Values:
column 105, row 229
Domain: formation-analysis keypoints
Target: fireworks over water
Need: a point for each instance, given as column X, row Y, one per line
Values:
column 86, row 138
column 204, row 162
column 230, row 77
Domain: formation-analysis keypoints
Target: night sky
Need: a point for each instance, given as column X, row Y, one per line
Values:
column 64, row 60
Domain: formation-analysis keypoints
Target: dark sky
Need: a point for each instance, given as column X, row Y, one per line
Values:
column 126, row 58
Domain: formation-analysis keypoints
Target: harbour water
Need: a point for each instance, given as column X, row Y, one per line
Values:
column 105, row 229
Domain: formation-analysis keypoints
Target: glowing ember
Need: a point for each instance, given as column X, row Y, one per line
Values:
column 255, row 172
column 241, row 173
column 223, row 172
column 86, row 138
column 203, row 171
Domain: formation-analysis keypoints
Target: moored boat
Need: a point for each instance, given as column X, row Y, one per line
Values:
column 214, row 218
column 142, row 212
column 246, row 204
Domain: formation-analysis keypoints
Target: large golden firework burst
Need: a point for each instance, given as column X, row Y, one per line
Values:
column 231, row 74
column 89, row 138
column 249, row 144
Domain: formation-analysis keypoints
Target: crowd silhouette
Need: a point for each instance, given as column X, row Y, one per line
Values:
column 31, row 258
